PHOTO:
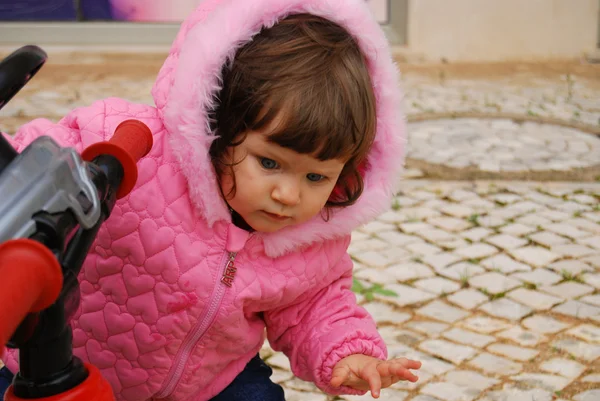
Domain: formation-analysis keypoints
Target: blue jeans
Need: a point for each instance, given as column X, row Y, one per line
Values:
column 5, row 381
column 253, row 384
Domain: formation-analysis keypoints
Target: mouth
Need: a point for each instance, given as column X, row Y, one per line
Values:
column 277, row 217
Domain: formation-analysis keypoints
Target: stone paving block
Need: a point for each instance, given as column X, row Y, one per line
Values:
column 407, row 337
column 494, row 283
column 461, row 271
column 436, row 235
column 491, row 221
column 279, row 376
column 467, row 298
column 431, row 329
column 543, row 381
column 387, row 394
column 570, row 266
column 452, row 244
column 592, row 279
column 515, row 394
column 582, row 350
column 279, row 360
column 384, row 313
column 506, row 199
column 563, row 367
column 437, row 285
column 533, row 220
column 573, row 207
column 376, row 227
column 397, row 239
column 301, row 385
column 526, row 207
column 548, row 239
column 589, row 395
column 591, row 299
column 408, row 271
column 479, row 204
column 470, row 379
column 484, row 324
column 395, row 254
column 441, row 311
column 504, row 264
column 586, row 332
column 450, row 391
column 477, row 233
column 372, row 258
column 592, row 216
column 477, row 251
column 449, row 351
column 493, row 364
column 468, row 337
column 441, row 260
column 406, row 295
column 585, row 224
column 568, row 289
column 593, row 242
column 566, row 230
column 572, row 250
column 534, row 299
column 373, row 275
column 414, row 227
column 538, row 277
column 544, row 324
column 593, row 378
column 452, row 224
column 593, row 260
column 522, row 337
column 421, row 397
column 457, row 210
column 293, row 395
column 391, row 217
column 506, row 308
column 422, row 248
column 554, row 215
column 513, row 352
column 534, row 255
column 577, row 309
column 506, row 241
column 517, row 229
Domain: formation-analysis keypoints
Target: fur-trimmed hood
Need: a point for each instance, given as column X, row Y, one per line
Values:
column 190, row 77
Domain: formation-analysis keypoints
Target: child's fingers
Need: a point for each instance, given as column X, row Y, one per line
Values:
column 396, row 368
column 339, row 375
column 371, row 375
column 407, row 363
column 403, row 373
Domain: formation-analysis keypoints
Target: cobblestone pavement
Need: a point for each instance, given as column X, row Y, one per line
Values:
column 497, row 291
column 493, row 285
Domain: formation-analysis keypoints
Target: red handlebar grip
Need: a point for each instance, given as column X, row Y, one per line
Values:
column 33, row 281
column 131, row 141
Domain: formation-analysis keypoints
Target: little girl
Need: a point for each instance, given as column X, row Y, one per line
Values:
column 277, row 131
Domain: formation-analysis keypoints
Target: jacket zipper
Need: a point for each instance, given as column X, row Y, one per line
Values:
column 190, row 341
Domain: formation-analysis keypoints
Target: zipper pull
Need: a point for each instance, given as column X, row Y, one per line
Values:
column 229, row 273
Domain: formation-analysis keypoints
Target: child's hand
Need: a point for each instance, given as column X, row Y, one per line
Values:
column 362, row 372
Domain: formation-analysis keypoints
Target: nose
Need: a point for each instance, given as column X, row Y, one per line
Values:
column 286, row 192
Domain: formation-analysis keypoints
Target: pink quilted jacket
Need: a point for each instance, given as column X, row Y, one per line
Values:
column 162, row 314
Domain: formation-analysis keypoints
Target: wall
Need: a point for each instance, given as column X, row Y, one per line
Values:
column 494, row 30
column 121, row 10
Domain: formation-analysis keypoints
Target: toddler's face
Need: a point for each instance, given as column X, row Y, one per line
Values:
column 277, row 187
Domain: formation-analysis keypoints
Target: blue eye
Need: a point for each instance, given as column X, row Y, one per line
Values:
column 314, row 177
column 268, row 163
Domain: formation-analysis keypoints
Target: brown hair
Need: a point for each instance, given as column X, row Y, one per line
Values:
column 312, row 67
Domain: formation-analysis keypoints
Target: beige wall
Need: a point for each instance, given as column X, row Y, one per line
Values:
column 495, row 30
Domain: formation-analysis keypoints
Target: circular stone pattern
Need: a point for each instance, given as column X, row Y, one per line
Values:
column 501, row 145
